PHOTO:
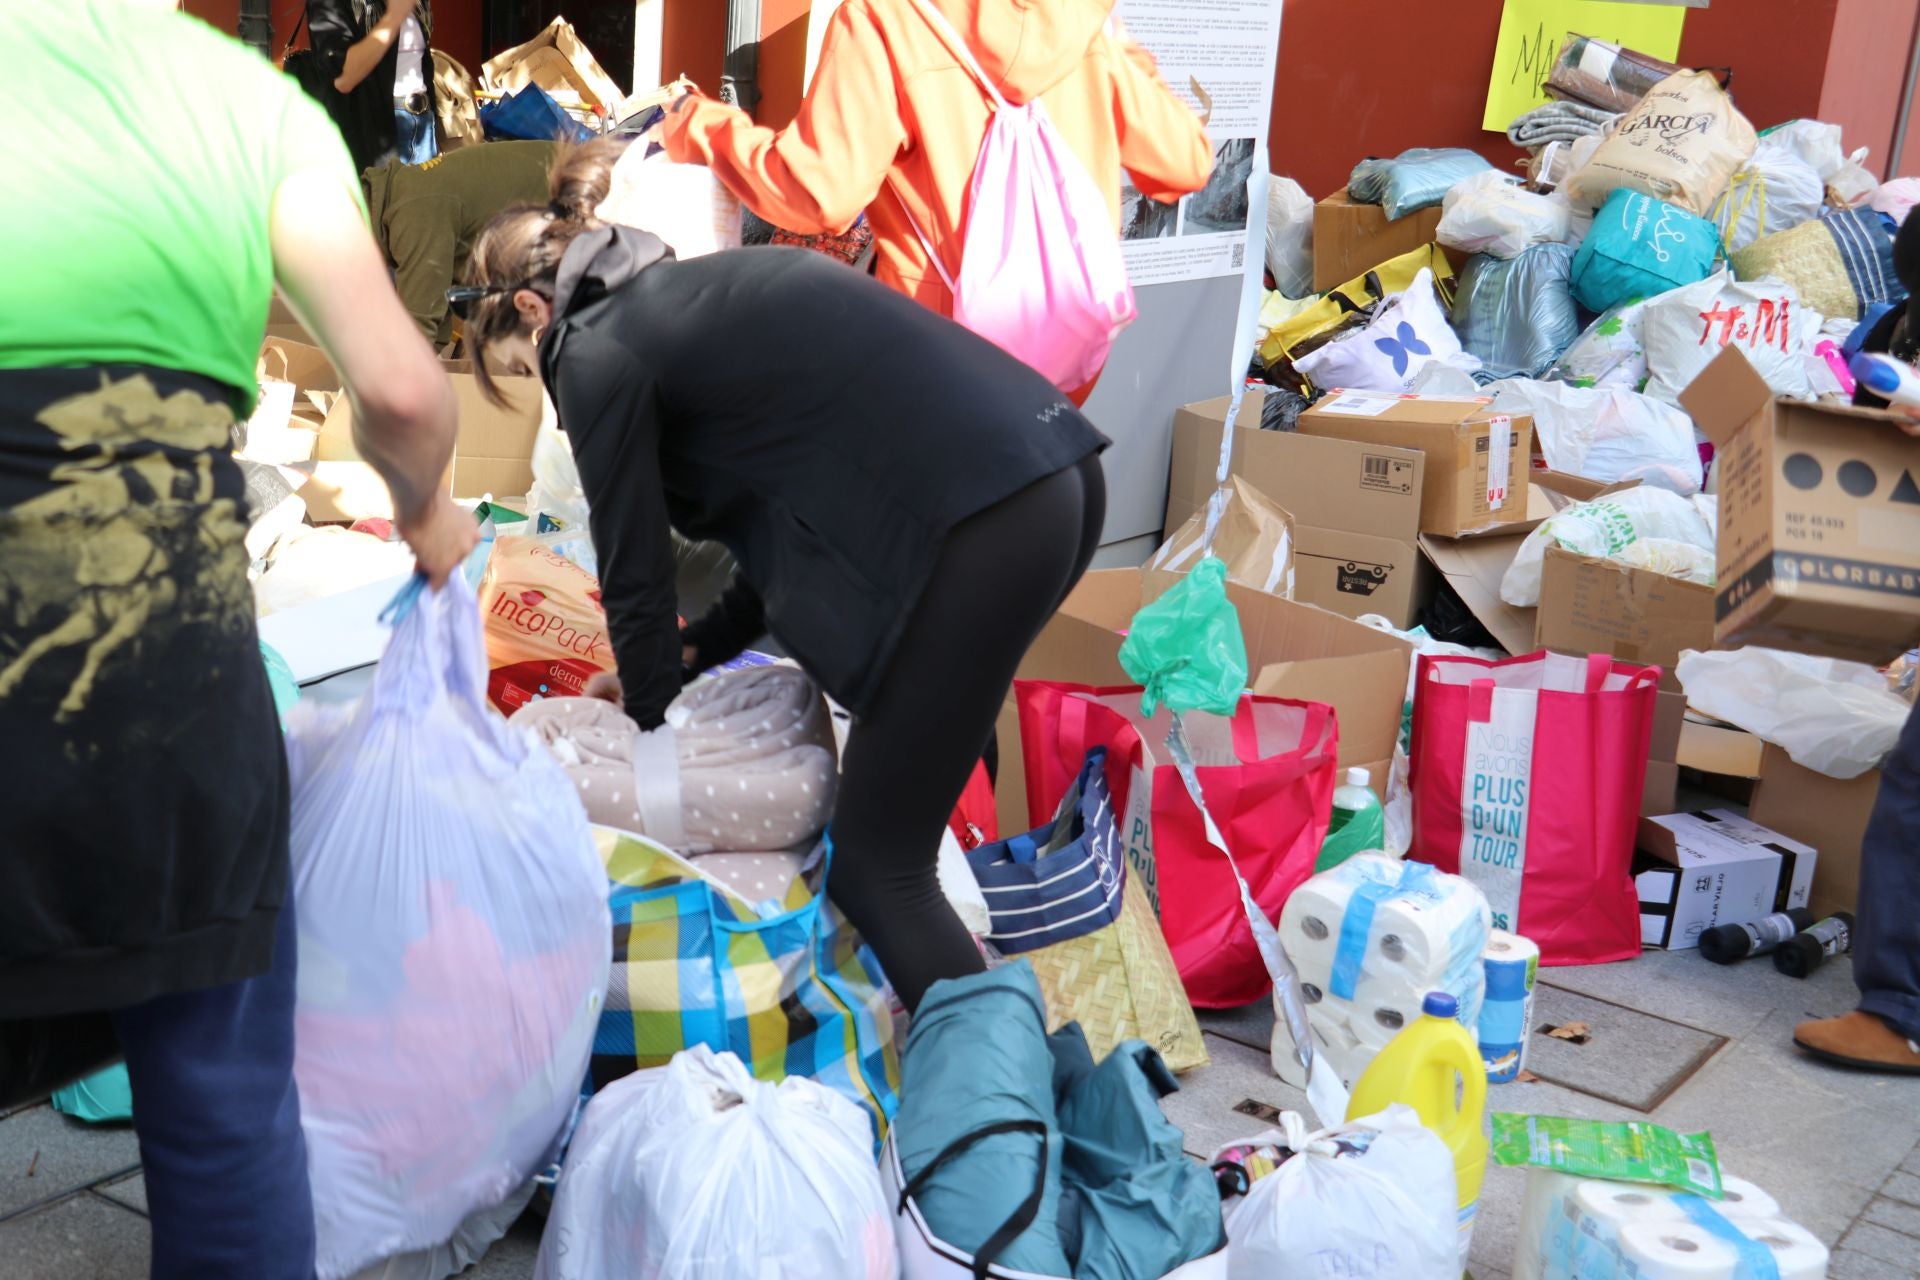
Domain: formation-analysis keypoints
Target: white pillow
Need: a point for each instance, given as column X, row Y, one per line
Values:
column 1408, row 333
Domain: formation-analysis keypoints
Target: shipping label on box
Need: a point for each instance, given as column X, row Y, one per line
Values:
column 1819, row 537
column 1719, row 868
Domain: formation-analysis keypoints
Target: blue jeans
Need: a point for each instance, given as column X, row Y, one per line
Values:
column 219, row 1125
column 413, row 140
column 1886, row 944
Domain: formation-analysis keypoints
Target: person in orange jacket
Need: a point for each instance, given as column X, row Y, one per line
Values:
column 893, row 124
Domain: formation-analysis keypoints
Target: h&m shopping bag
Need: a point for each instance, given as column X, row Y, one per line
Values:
column 1060, row 895
column 1268, row 775
column 794, row 994
column 1526, row 777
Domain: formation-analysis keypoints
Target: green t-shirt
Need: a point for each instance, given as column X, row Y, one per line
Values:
column 142, row 151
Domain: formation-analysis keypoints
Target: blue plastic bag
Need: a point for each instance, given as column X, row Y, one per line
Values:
column 1413, row 180
column 106, row 1097
column 531, row 115
column 1640, row 247
column 1517, row 315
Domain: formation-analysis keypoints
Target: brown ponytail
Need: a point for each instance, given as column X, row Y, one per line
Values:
column 522, row 245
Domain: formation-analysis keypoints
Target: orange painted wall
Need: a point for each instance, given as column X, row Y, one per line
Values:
column 456, row 24
column 783, row 59
column 693, row 39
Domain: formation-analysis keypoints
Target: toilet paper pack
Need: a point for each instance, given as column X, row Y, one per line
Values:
column 1371, row 938
column 1576, row 1228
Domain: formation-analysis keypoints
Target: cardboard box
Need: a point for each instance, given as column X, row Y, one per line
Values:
column 1351, row 239
column 1255, row 540
column 1293, row 651
column 345, row 492
column 1719, row 869
column 1355, row 507
column 1590, row 605
column 1827, row 813
column 1819, row 548
column 558, row 61
column 1478, row 461
column 1720, row 749
column 494, row 453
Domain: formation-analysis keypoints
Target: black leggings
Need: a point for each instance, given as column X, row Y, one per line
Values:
column 1001, row 575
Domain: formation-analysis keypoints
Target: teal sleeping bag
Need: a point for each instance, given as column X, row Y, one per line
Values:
column 976, row 1126
column 1640, row 247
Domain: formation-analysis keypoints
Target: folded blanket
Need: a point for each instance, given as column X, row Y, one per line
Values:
column 744, row 764
column 1558, row 122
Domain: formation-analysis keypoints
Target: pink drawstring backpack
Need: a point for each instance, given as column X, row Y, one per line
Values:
column 1041, row 274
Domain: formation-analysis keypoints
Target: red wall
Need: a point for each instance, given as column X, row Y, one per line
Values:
column 456, row 25
column 1421, row 83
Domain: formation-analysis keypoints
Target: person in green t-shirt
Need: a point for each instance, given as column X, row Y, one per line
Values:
column 160, row 180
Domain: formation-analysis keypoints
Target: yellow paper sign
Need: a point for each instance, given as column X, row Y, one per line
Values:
column 1532, row 32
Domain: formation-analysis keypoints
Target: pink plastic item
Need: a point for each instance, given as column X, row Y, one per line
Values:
column 1827, row 349
column 1041, row 275
column 1897, row 198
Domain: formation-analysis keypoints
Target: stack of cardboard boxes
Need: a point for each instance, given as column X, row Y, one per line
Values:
column 1819, row 551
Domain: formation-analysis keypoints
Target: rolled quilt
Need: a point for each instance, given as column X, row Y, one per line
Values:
column 744, row 764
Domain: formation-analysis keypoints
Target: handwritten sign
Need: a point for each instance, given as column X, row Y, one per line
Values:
column 1533, row 31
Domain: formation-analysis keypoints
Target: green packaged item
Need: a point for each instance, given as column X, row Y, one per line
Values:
column 1350, row 833
column 105, row 1097
column 286, row 690
column 1626, row 1151
column 1185, row 649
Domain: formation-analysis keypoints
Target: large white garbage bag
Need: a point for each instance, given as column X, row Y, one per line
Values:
column 1372, row 1198
column 698, row 1171
column 1606, row 433
column 1834, row 717
column 1606, row 527
column 454, row 946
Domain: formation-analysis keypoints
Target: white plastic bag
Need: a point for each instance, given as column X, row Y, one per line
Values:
column 454, row 946
column 557, row 491
column 1819, row 145
column 684, row 204
column 1372, row 1198
column 1407, row 334
column 1492, row 213
column 1834, row 717
column 1290, row 237
column 698, row 1171
column 1606, row 433
column 1776, row 191
column 1605, row 527
column 1684, row 330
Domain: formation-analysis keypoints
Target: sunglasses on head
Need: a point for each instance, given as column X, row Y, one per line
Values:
column 462, row 296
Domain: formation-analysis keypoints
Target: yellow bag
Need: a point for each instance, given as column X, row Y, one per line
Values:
column 1349, row 307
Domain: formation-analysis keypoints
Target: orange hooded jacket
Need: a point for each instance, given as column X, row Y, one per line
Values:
column 893, row 124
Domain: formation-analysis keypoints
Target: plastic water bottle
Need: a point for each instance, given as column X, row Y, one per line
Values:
column 1435, row 1067
column 1894, row 381
column 1359, row 823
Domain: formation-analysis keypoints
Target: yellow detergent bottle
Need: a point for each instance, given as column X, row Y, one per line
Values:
column 1435, row 1067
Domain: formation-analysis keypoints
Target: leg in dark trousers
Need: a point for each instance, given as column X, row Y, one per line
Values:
column 1886, row 951
column 219, row 1125
column 1000, row 576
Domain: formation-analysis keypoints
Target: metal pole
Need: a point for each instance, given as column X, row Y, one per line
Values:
column 1906, row 109
column 740, row 75
column 255, row 27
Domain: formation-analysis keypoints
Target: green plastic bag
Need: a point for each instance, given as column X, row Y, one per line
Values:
column 1185, row 649
column 1628, row 1151
column 106, row 1097
column 1351, row 833
column 286, row 690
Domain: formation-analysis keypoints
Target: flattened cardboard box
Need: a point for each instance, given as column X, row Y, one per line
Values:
column 1827, row 813
column 1478, row 461
column 1819, row 539
column 494, row 453
column 1351, row 239
column 1355, row 507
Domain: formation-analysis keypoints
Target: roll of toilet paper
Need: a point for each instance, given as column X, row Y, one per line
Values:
column 1612, row 1207
column 1332, row 1039
column 1678, row 1251
column 1546, row 1206
column 1744, row 1200
column 1797, row 1252
column 1510, row 965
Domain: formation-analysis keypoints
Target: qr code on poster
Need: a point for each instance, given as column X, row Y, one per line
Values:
column 1239, row 258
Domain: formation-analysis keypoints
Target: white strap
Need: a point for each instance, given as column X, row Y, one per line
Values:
column 933, row 256
column 961, row 51
column 656, row 787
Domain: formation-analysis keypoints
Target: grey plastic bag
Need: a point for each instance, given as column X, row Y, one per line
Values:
column 1517, row 315
column 1413, row 180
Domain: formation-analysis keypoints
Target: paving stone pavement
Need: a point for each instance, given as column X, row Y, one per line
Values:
column 1703, row 1046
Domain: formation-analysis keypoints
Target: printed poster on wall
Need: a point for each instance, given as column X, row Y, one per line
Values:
column 1533, row 31
column 1218, row 56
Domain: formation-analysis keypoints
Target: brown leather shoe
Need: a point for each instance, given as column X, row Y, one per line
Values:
column 1861, row 1040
